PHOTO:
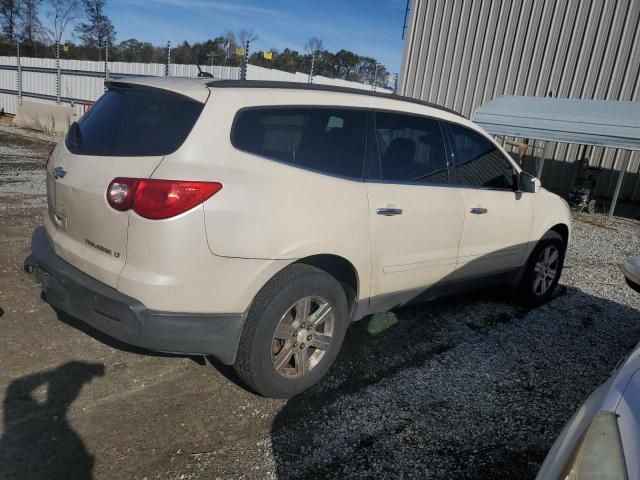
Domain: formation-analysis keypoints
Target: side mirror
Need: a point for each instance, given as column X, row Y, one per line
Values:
column 528, row 183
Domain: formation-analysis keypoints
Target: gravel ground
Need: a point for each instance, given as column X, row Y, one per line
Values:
column 22, row 178
column 7, row 127
column 473, row 386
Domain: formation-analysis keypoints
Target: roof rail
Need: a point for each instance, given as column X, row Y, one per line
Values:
column 322, row 88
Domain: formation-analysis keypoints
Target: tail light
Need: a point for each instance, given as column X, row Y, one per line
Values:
column 49, row 155
column 158, row 199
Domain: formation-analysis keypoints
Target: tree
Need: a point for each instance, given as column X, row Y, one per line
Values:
column 288, row 60
column 229, row 45
column 61, row 13
column 370, row 71
column 246, row 35
column 97, row 31
column 133, row 50
column 182, row 54
column 346, row 62
column 9, row 17
column 325, row 64
column 209, row 52
column 30, row 23
column 257, row 58
column 313, row 45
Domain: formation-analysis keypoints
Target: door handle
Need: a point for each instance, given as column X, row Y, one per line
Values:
column 479, row 210
column 389, row 211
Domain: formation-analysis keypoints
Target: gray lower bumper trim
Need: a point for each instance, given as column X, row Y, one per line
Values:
column 127, row 319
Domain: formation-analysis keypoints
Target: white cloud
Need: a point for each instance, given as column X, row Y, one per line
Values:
column 227, row 7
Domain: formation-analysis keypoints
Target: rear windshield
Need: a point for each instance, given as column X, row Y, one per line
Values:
column 136, row 122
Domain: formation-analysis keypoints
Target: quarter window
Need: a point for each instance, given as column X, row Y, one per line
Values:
column 411, row 149
column 480, row 163
column 329, row 140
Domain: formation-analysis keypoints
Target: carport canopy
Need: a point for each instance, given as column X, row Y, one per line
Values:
column 602, row 123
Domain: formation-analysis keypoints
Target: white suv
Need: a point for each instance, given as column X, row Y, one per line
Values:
column 253, row 221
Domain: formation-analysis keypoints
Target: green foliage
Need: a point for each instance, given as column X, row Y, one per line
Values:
column 133, row 50
column 343, row 64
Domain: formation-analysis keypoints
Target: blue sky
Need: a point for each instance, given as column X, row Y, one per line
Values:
column 372, row 28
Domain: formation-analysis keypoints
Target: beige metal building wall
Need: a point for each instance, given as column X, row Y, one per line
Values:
column 463, row 53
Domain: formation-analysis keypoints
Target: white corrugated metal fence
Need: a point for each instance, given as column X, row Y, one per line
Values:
column 82, row 81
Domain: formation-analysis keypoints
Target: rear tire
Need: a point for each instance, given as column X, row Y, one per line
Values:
column 543, row 270
column 293, row 332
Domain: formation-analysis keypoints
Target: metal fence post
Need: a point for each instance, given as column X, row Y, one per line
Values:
column 58, row 73
column 19, row 73
column 243, row 70
column 106, row 62
column 616, row 193
column 166, row 67
column 545, row 153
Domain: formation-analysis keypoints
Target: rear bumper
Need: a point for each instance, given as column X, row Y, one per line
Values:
column 125, row 318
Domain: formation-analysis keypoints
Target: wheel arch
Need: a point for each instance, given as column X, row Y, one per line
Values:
column 342, row 270
column 559, row 228
column 562, row 230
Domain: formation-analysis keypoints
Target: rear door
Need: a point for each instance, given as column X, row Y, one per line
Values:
column 126, row 134
column 497, row 218
column 416, row 217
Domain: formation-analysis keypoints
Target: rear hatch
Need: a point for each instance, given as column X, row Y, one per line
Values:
column 127, row 133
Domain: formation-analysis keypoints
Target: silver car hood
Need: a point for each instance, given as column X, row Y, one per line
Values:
column 620, row 394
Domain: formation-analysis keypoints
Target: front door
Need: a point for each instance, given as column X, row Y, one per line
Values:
column 497, row 218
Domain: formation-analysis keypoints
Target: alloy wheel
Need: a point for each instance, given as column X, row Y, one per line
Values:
column 546, row 269
column 302, row 337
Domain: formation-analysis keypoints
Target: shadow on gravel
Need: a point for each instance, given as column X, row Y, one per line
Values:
column 466, row 387
column 38, row 442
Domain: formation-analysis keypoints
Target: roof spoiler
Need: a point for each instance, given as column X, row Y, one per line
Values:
column 186, row 88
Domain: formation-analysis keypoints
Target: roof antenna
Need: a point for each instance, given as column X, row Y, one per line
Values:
column 404, row 24
column 201, row 73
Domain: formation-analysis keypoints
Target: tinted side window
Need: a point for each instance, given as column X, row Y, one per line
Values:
column 480, row 163
column 134, row 122
column 411, row 149
column 329, row 140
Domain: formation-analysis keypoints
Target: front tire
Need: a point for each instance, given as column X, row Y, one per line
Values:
column 543, row 270
column 293, row 332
